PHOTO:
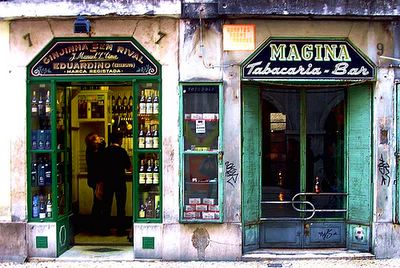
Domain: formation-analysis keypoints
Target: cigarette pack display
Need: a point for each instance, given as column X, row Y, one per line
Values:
column 209, row 201
column 214, row 208
column 208, row 215
column 194, row 201
column 191, row 215
column 201, row 207
column 190, row 208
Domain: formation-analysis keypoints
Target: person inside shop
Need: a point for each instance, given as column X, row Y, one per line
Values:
column 117, row 162
column 95, row 149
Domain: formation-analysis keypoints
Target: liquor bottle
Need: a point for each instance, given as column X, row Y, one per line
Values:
column 142, row 174
column 42, row 207
column 149, row 172
column 317, row 186
column 47, row 108
column 155, row 137
column 149, row 103
column 142, row 212
column 158, row 210
column 41, row 173
column 49, row 206
column 141, row 139
column 34, row 174
column 119, row 104
column 113, row 105
column 156, row 172
column 34, row 104
column 155, row 102
column 149, row 208
column 35, row 206
column 130, row 103
column 142, row 103
column 47, row 171
column 41, row 108
column 125, row 107
column 149, row 138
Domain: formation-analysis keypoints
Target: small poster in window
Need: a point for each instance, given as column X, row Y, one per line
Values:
column 200, row 126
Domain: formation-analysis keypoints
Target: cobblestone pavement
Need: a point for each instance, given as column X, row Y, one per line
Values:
column 202, row 264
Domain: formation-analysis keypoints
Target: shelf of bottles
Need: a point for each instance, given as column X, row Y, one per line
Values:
column 201, row 200
column 148, row 157
column 47, row 154
column 41, row 194
column 122, row 121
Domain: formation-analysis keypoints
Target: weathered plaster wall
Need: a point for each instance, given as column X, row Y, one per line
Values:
column 5, row 136
column 18, row 8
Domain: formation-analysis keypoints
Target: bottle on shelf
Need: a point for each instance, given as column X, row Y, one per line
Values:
column 142, row 212
column 119, row 105
column 149, row 102
column 34, row 104
column 149, row 138
column 47, row 171
column 156, row 172
column 35, row 206
column 47, row 104
column 149, row 172
column 158, row 210
column 317, row 185
column 155, row 103
column 155, row 136
column 41, row 181
column 142, row 103
column 141, row 138
column 49, row 206
column 142, row 174
column 42, row 207
column 149, row 208
column 41, row 108
column 34, row 174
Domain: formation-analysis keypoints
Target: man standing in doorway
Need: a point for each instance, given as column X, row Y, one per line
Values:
column 116, row 161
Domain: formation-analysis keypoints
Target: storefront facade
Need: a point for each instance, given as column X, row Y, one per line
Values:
column 287, row 144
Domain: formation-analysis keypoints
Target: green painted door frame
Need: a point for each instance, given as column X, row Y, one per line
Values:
column 357, row 155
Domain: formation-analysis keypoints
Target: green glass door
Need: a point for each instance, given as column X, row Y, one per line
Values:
column 302, row 168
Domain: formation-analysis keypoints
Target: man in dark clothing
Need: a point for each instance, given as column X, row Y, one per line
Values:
column 95, row 147
column 117, row 161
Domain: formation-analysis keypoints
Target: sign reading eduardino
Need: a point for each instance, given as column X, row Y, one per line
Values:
column 94, row 58
column 304, row 59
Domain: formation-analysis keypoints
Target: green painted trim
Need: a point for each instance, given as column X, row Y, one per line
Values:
column 396, row 199
column 148, row 242
column 42, row 242
column 303, row 140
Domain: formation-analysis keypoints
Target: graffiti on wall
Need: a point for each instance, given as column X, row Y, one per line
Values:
column 384, row 171
column 327, row 234
column 231, row 173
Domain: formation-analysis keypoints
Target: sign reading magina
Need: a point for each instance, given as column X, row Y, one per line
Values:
column 94, row 58
column 281, row 59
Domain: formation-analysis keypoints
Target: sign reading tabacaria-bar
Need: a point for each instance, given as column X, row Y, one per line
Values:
column 94, row 58
column 304, row 59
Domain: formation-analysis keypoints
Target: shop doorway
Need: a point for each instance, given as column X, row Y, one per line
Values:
column 303, row 196
column 103, row 108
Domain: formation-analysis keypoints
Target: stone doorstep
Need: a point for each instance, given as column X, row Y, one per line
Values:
column 304, row 254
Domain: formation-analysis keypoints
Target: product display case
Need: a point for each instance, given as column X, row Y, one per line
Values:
column 48, row 155
column 147, row 155
column 201, row 155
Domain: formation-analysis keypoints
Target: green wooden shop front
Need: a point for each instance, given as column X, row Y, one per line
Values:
column 307, row 145
column 75, row 87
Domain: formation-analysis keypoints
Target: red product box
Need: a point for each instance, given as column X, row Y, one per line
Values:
column 201, row 207
column 194, row 201
column 213, row 208
column 190, row 207
column 209, row 201
column 208, row 215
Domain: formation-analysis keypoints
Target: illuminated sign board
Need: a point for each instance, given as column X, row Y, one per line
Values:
column 304, row 59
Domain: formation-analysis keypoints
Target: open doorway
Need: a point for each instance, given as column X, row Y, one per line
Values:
column 103, row 108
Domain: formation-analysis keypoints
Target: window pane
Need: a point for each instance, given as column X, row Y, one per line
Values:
column 201, row 117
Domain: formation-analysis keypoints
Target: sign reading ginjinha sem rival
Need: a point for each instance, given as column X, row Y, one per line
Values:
column 94, row 57
column 304, row 59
